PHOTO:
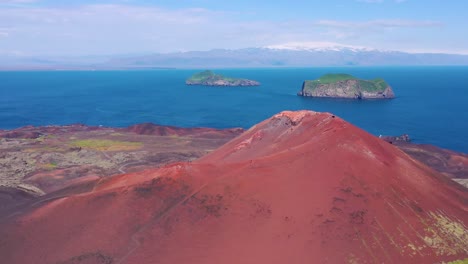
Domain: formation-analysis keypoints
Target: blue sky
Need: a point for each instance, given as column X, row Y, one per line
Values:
column 73, row 27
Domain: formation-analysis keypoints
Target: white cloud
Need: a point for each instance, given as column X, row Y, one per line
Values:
column 112, row 29
column 5, row 32
column 383, row 23
column 104, row 28
column 352, row 30
column 122, row 28
column 315, row 45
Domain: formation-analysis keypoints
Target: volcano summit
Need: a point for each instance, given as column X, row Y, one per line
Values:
column 300, row 187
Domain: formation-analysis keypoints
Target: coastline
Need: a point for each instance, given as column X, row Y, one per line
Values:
column 161, row 96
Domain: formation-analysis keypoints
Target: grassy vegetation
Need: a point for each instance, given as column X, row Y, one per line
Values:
column 42, row 138
column 50, row 166
column 311, row 85
column 208, row 76
column 381, row 83
column 106, row 145
column 365, row 85
column 373, row 86
column 464, row 261
column 333, row 78
column 202, row 76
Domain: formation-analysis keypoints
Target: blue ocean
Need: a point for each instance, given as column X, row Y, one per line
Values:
column 431, row 104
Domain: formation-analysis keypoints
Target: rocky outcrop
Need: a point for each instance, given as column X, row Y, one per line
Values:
column 346, row 86
column 209, row 78
column 391, row 139
column 158, row 130
column 300, row 187
column 449, row 163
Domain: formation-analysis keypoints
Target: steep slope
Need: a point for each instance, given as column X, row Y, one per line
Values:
column 346, row 86
column 300, row 187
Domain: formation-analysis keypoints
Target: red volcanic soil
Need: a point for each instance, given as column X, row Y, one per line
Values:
column 153, row 129
column 450, row 163
column 300, row 187
column 31, row 132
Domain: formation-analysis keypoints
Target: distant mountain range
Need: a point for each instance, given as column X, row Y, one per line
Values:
column 273, row 56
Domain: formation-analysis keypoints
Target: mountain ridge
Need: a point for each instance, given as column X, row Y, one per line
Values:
column 242, row 58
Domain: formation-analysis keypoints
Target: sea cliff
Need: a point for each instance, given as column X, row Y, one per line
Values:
column 346, row 86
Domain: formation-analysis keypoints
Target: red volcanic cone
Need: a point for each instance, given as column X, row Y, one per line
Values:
column 300, row 187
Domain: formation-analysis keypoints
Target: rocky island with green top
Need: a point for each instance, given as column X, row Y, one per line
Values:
column 346, row 86
column 209, row 78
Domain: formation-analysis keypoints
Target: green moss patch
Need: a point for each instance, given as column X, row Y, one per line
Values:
column 464, row 261
column 333, row 78
column 376, row 85
column 106, row 144
column 208, row 76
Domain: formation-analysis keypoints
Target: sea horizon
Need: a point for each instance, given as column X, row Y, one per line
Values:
column 429, row 103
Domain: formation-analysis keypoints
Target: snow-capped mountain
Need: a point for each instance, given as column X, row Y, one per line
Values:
column 318, row 46
column 290, row 56
column 284, row 55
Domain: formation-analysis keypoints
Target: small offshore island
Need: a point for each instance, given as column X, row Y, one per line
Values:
column 209, row 78
column 346, row 86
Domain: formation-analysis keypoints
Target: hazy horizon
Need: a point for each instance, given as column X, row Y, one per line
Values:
column 90, row 28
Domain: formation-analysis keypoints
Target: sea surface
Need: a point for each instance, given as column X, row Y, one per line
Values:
column 431, row 104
